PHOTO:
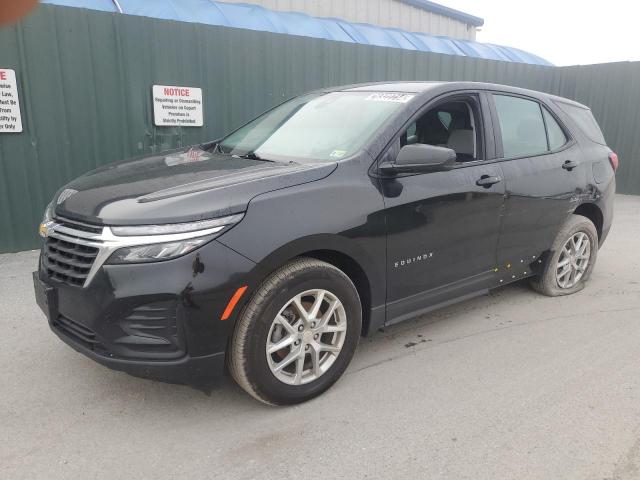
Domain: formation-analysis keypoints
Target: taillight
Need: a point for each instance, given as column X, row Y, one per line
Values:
column 613, row 160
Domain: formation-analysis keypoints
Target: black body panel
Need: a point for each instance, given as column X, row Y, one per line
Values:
column 158, row 190
column 442, row 231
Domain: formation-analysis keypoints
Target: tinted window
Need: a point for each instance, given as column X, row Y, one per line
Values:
column 584, row 118
column 521, row 125
column 557, row 138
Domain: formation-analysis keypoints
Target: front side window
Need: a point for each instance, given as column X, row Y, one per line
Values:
column 316, row 127
column 522, row 127
column 453, row 125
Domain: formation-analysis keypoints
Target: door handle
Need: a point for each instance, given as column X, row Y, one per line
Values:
column 569, row 165
column 486, row 181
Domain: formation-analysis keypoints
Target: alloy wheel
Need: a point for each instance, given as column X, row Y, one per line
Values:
column 573, row 260
column 306, row 337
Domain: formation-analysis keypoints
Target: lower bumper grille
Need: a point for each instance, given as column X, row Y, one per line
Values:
column 151, row 331
column 77, row 331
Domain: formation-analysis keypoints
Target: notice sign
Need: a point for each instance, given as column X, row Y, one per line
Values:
column 10, row 119
column 177, row 106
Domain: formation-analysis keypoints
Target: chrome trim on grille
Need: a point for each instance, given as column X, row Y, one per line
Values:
column 90, row 226
column 107, row 243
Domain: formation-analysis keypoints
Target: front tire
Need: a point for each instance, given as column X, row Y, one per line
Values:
column 297, row 334
column 573, row 256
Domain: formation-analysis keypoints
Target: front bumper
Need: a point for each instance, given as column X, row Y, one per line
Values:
column 156, row 320
column 196, row 371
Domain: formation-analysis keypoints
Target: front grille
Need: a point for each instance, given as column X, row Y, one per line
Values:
column 66, row 256
column 77, row 331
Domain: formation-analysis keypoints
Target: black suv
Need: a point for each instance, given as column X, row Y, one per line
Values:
column 339, row 212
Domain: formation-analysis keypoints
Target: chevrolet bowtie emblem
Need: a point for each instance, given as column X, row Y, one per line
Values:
column 47, row 228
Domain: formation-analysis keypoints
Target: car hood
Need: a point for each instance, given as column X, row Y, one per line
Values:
column 177, row 186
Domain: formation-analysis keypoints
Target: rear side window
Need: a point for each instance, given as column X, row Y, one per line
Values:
column 584, row 118
column 557, row 138
column 522, row 127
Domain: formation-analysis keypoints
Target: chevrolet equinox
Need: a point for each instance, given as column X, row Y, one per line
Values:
column 271, row 251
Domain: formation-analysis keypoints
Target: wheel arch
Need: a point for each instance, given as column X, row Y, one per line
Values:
column 593, row 213
column 342, row 254
column 355, row 272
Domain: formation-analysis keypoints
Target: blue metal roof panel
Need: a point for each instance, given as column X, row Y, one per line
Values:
column 306, row 26
column 480, row 50
column 255, row 17
column 250, row 17
column 437, row 44
column 336, row 30
column 381, row 37
column 353, row 32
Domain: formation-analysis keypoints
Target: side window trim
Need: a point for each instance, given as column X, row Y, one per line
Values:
column 546, row 127
column 495, row 123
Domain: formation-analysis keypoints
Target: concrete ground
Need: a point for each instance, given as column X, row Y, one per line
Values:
column 512, row 385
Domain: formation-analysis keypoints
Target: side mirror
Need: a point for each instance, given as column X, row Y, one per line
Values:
column 421, row 158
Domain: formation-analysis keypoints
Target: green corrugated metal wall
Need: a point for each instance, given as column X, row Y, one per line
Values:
column 85, row 79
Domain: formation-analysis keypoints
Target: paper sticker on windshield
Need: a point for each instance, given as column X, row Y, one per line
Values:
column 390, row 97
column 338, row 153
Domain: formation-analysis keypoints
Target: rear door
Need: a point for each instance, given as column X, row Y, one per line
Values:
column 543, row 176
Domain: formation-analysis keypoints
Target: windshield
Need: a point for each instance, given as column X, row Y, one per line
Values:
column 315, row 127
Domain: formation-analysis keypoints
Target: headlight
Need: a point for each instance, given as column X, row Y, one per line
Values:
column 157, row 252
column 154, row 243
column 47, row 219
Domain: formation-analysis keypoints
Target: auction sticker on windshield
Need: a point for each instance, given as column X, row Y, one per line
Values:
column 390, row 97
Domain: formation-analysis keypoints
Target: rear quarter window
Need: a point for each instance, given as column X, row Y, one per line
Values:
column 585, row 121
column 556, row 136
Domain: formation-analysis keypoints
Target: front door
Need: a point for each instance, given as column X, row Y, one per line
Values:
column 442, row 227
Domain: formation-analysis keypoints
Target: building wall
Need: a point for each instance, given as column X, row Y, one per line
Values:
column 384, row 13
column 85, row 97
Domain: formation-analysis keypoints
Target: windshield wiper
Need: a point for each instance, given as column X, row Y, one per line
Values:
column 250, row 155
column 214, row 147
column 218, row 149
column 255, row 156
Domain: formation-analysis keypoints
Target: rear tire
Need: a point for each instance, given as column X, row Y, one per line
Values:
column 311, row 310
column 573, row 256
